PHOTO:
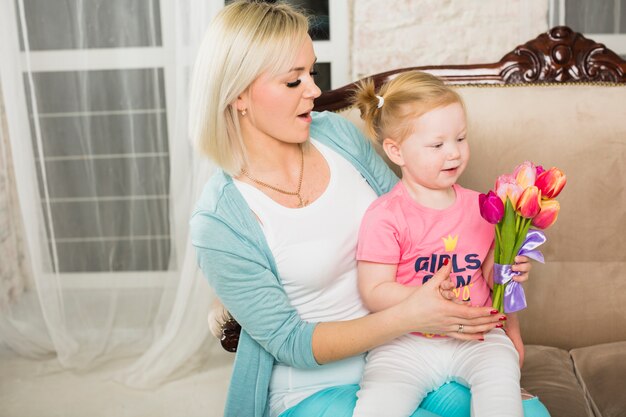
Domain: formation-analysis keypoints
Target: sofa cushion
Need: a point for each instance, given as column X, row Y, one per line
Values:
column 574, row 298
column 601, row 370
column 549, row 374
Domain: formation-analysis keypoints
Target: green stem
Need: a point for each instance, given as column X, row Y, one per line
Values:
column 498, row 297
column 508, row 234
column 496, row 252
column 521, row 236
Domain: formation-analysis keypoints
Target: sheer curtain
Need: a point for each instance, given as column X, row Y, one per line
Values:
column 95, row 95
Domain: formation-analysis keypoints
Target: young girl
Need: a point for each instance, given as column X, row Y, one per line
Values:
column 425, row 221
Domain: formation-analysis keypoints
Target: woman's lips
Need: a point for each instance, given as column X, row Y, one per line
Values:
column 306, row 117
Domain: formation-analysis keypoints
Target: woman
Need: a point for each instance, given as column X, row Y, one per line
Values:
column 276, row 228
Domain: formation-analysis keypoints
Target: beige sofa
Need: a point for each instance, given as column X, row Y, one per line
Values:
column 559, row 100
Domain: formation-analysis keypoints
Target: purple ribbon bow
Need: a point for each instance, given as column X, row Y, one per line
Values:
column 514, row 297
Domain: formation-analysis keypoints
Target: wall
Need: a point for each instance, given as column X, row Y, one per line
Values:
column 403, row 33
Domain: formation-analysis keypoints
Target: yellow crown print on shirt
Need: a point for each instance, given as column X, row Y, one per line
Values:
column 450, row 242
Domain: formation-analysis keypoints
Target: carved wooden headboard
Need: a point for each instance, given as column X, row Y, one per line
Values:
column 560, row 61
column 558, row 56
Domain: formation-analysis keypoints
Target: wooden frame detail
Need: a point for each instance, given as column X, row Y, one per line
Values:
column 557, row 56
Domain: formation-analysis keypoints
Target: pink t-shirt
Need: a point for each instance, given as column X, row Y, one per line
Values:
column 398, row 230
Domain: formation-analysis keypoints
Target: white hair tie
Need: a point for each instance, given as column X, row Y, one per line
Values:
column 381, row 101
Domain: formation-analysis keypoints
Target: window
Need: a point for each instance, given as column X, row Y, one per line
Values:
column 105, row 153
column 95, row 77
column 603, row 21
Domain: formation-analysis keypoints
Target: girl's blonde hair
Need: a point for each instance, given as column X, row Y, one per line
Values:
column 390, row 112
column 246, row 39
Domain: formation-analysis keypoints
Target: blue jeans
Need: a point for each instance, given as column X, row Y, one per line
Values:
column 449, row 400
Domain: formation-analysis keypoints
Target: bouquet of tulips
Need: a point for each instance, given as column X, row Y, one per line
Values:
column 522, row 199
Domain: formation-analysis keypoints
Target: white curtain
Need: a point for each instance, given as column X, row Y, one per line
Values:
column 96, row 105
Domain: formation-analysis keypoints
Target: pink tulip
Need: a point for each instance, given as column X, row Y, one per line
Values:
column 491, row 207
column 528, row 204
column 525, row 174
column 551, row 182
column 548, row 214
column 507, row 186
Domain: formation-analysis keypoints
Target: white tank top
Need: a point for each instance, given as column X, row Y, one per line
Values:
column 315, row 248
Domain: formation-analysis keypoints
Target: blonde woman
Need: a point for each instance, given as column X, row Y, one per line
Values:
column 276, row 227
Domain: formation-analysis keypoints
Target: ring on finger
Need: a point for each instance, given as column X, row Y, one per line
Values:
column 460, row 329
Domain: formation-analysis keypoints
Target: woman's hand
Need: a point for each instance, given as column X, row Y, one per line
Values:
column 430, row 310
column 523, row 266
column 424, row 310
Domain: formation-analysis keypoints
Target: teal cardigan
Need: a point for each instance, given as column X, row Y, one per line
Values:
column 236, row 259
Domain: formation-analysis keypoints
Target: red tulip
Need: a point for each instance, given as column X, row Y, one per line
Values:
column 551, row 182
column 491, row 207
column 507, row 186
column 525, row 174
column 528, row 204
column 548, row 214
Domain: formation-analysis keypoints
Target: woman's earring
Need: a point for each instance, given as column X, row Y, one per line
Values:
column 243, row 112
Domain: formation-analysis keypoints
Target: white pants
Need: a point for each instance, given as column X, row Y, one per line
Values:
column 398, row 375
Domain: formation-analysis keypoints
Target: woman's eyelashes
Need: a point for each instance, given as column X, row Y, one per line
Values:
column 299, row 81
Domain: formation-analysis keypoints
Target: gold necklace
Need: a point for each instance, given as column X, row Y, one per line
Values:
column 302, row 201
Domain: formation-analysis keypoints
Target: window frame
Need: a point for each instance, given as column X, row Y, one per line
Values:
column 156, row 57
column 615, row 42
column 336, row 50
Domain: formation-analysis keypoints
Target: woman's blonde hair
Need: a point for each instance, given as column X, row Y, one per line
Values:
column 246, row 39
column 390, row 112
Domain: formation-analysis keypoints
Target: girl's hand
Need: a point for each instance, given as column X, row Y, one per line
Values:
column 447, row 290
column 430, row 310
column 523, row 266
